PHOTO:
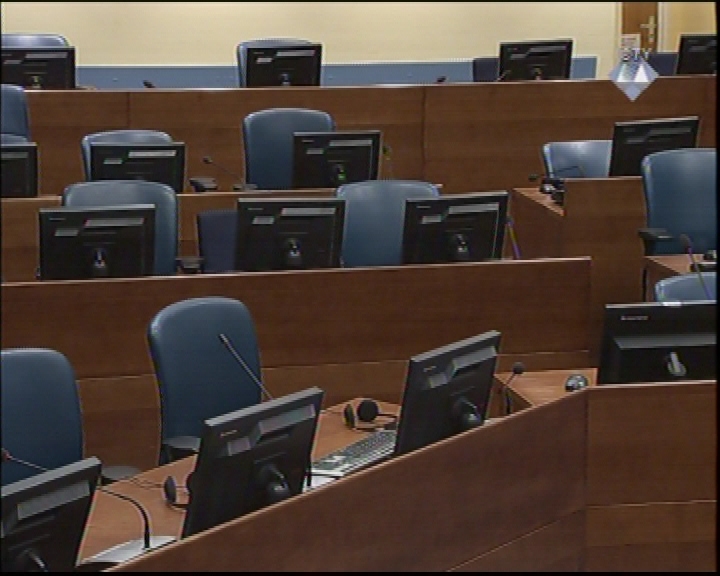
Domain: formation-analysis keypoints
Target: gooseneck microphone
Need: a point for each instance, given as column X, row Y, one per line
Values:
column 517, row 369
column 208, row 160
column 125, row 551
column 687, row 247
column 235, row 354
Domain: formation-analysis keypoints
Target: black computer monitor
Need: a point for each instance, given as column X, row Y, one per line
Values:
column 535, row 60
column 634, row 140
column 49, row 68
column 252, row 458
column 697, row 54
column 331, row 159
column 447, row 391
column 283, row 66
column 164, row 163
column 19, row 170
column 44, row 517
column 97, row 242
column 455, row 228
column 658, row 342
column 289, row 233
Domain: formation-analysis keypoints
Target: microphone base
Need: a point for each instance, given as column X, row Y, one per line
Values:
column 127, row 551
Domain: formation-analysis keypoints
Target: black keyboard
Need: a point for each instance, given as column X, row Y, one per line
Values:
column 360, row 454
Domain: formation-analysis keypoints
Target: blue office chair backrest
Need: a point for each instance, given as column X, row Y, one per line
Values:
column 12, row 139
column 120, row 137
column 14, row 116
column 686, row 287
column 680, row 189
column 33, row 41
column 268, row 140
column 241, row 52
column 374, row 220
column 41, row 417
column 577, row 158
column 122, row 192
column 217, row 231
column 485, row 69
column 198, row 377
column 664, row 63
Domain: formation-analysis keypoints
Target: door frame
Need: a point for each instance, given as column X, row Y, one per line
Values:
column 661, row 29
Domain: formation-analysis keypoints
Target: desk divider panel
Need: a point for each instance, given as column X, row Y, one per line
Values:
column 434, row 509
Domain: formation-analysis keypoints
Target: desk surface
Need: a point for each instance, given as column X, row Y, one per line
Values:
column 536, row 388
column 126, row 523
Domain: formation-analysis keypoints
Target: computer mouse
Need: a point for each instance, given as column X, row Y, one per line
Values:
column 575, row 382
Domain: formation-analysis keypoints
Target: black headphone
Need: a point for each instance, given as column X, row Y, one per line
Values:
column 366, row 412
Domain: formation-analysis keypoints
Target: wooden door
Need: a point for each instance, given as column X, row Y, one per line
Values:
column 642, row 18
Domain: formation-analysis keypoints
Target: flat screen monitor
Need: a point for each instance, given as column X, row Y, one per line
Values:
column 658, row 342
column 634, row 140
column 164, row 163
column 331, row 159
column 44, row 518
column 97, row 242
column 252, row 458
column 535, row 60
column 697, row 54
column 19, row 170
column 48, row 68
column 455, row 228
column 447, row 391
column 288, row 234
column 283, row 66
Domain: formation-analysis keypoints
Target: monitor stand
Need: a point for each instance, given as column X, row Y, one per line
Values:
column 125, row 552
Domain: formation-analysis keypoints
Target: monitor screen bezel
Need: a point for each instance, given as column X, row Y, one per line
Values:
column 685, row 44
column 252, row 53
column 566, row 45
column 30, row 168
column 69, row 81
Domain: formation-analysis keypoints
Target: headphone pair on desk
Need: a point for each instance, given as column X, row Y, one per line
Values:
column 363, row 417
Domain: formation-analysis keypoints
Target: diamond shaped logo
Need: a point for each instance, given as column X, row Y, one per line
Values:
column 633, row 75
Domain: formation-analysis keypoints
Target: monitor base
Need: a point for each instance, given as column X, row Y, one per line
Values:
column 127, row 551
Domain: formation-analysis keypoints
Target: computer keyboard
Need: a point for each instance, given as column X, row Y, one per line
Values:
column 360, row 454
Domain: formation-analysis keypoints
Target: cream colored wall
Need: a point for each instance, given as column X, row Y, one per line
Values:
column 687, row 18
column 174, row 33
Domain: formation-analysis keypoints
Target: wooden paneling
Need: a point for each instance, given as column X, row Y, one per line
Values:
column 58, row 121
column 488, row 136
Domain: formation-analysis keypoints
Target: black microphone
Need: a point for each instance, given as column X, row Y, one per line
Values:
column 226, row 342
column 147, row 543
column 517, row 369
column 675, row 367
column 694, row 267
column 239, row 186
column 552, row 179
column 441, row 80
column 148, row 84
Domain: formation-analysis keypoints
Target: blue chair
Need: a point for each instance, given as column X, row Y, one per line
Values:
column 120, row 137
column 680, row 188
column 686, row 287
column 374, row 220
column 241, row 52
column 197, row 375
column 14, row 116
column 485, row 69
column 577, row 158
column 122, row 192
column 33, row 41
column 664, row 63
column 216, row 230
column 41, row 414
column 268, row 141
column 12, row 139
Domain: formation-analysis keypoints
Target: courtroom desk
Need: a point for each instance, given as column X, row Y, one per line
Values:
column 488, row 136
column 536, row 388
column 349, row 331
column 600, row 218
column 20, row 231
column 661, row 267
column 209, row 121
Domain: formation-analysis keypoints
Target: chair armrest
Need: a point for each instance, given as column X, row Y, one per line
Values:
column 203, row 184
column 190, row 264
column 650, row 236
column 110, row 474
column 180, row 447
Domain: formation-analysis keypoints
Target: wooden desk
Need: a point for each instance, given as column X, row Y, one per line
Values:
column 600, row 218
column 661, row 267
column 348, row 331
column 472, row 137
